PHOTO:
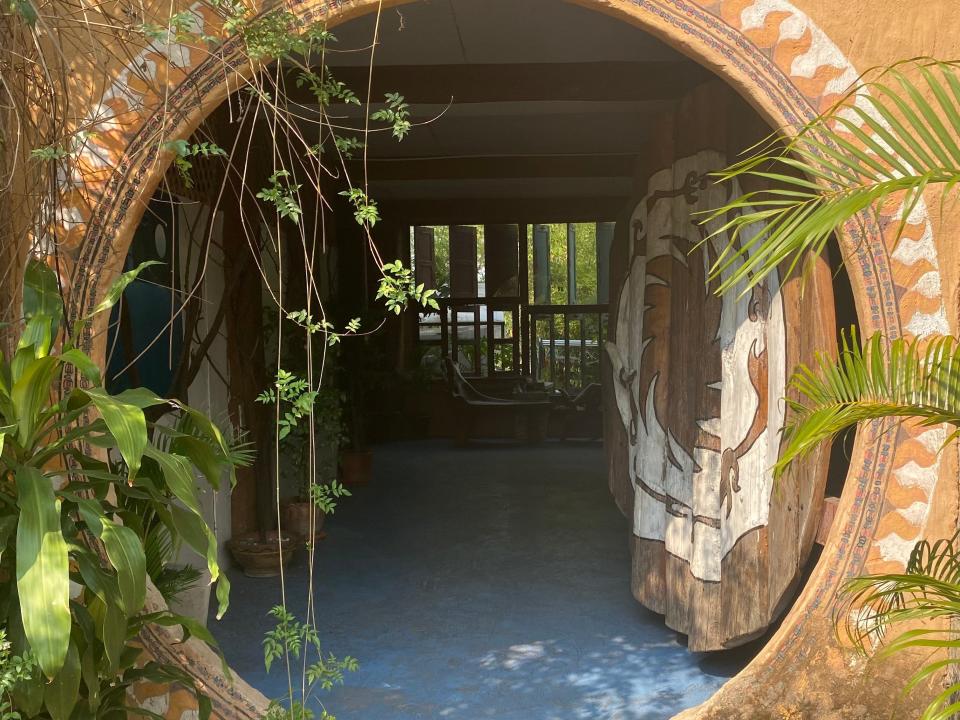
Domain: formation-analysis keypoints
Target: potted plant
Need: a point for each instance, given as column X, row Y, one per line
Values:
column 264, row 552
column 302, row 515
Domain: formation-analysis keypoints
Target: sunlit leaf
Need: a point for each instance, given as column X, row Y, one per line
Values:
column 43, row 582
column 900, row 138
column 115, row 291
column 127, row 557
column 127, row 425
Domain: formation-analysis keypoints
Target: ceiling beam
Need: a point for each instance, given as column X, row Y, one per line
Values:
column 525, row 82
column 474, row 211
column 497, row 167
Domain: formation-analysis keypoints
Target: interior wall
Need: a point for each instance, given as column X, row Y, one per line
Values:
column 209, row 392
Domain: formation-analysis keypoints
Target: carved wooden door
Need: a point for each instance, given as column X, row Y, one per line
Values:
column 698, row 382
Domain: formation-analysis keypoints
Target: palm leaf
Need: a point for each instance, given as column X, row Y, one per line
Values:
column 910, row 379
column 926, row 594
column 893, row 136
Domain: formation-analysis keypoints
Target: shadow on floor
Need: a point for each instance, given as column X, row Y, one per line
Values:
column 478, row 584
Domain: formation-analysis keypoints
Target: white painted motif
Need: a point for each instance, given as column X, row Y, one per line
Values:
column 697, row 496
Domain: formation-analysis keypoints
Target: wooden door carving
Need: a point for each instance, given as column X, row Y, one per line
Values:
column 699, row 382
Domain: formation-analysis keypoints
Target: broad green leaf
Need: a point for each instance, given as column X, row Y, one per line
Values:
column 208, row 428
column 95, row 579
column 111, row 629
column 85, row 636
column 112, row 296
column 60, row 695
column 202, row 455
column 114, row 635
column 31, row 394
column 127, row 425
column 42, row 308
column 126, row 555
column 140, row 397
column 82, row 362
column 91, row 677
column 194, row 531
column 43, row 582
column 37, row 336
column 178, row 474
column 41, row 290
column 91, row 512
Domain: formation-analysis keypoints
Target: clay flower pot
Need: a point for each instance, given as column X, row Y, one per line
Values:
column 263, row 557
column 296, row 520
column 356, row 466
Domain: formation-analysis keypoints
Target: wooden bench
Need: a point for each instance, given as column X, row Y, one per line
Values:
column 530, row 415
column 583, row 412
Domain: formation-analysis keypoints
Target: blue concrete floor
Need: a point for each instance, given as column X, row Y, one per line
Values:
column 490, row 582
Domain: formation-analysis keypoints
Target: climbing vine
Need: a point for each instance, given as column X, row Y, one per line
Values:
column 45, row 145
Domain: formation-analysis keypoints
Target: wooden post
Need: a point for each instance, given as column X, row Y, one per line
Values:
column 425, row 263
column 501, row 259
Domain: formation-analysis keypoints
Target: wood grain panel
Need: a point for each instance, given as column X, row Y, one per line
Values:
column 717, row 548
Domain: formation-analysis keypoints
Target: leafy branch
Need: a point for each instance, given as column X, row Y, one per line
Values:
column 282, row 194
column 396, row 114
column 397, row 288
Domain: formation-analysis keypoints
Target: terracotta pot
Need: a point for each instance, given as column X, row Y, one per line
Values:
column 296, row 520
column 356, row 466
column 263, row 557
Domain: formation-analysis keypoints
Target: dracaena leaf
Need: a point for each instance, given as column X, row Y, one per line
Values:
column 31, row 393
column 60, row 695
column 43, row 582
column 112, row 296
column 41, row 291
column 127, row 425
column 178, row 475
column 127, row 557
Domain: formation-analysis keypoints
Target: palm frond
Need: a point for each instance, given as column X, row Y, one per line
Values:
column 927, row 592
column 174, row 581
column 908, row 379
column 895, row 135
column 159, row 549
